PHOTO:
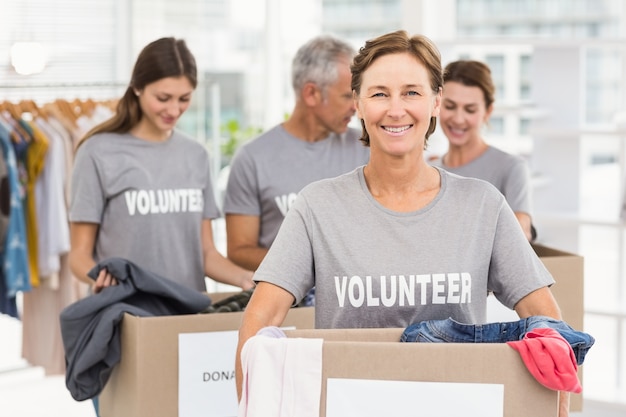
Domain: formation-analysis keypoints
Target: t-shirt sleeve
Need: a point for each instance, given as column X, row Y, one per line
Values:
column 289, row 261
column 515, row 269
column 87, row 196
column 242, row 189
column 516, row 188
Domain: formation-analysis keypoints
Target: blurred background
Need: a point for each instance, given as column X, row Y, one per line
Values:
column 559, row 66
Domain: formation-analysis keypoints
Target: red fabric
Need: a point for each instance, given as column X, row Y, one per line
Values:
column 550, row 359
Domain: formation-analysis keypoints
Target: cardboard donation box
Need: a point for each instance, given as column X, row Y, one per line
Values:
column 568, row 272
column 371, row 365
column 146, row 381
column 567, row 269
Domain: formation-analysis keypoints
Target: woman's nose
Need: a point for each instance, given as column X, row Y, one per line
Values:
column 396, row 107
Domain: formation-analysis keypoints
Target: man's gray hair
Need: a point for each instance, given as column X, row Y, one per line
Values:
column 316, row 62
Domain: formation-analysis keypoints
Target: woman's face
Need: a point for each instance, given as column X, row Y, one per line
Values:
column 163, row 102
column 396, row 103
column 463, row 113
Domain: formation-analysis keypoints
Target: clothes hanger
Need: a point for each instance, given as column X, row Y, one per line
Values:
column 66, row 110
column 29, row 106
column 15, row 116
column 12, row 109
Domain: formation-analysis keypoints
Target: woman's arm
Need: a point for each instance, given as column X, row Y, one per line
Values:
column 219, row 268
column 83, row 241
column 525, row 222
column 540, row 302
column 268, row 306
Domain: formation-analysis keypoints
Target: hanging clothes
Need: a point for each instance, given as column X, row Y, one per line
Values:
column 5, row 197
column 15, row 267
column 38, row 144
column 34, row 163
column 7, row 304
column 57, row 288
column 53, row 237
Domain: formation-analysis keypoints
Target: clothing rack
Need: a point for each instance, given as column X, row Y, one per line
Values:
column 51, row 91
column 42, row 138
column 61, row 85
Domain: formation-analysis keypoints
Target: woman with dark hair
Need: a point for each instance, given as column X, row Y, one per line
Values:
column 468, row 97
column 141, row 190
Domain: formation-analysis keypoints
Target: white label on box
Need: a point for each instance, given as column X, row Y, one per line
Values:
column 206, row 374
column 375, row 398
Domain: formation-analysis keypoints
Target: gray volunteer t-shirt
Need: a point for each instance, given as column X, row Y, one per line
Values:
column 373, row 267
column 507, row 172
column 267, row 173
column 149, row 199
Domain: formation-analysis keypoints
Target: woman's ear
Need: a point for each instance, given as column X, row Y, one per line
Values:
column 355, row 97
column 437, row 105
column 488, row 113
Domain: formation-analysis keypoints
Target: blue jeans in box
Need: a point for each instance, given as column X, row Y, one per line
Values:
column 452, row 331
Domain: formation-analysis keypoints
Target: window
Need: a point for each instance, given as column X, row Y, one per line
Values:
column 524, row 126
column 496, row 64
column 496, row 126
column 524, row 69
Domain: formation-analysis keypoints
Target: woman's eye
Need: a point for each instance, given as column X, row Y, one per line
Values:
column 378, row 95
column 412, row 93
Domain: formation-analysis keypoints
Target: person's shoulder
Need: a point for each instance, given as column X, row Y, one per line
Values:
column 101, row 137
column 353, row 134
column 189, row 148
column 463, row 183
column 503, row 156
column 271, row 134
column 435, row 160
column 186, row 140
column 326, row 185
column 264, row 141
column 101, row 142
column 350, row 140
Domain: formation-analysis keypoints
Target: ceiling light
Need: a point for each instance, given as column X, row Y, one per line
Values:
column 28, row 57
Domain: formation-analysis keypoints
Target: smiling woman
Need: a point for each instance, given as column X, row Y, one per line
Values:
column 397, row 241
column 428, row 84
column 119, row 172
column 468, row 102
column 142, row 190
column 162, row 103
column 396, row 105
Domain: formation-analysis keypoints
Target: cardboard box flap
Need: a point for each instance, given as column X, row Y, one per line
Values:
column 350, row 335
column 546, row 252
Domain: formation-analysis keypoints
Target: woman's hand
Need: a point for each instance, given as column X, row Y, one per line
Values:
column 105, row 279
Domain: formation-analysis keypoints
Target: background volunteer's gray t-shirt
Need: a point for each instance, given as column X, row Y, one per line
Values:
column 149, row 199
column 508, row 173
column 267, row 173
column 372, row 267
